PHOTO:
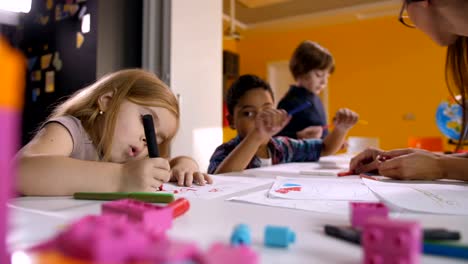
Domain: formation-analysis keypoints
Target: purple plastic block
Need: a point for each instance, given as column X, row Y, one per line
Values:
column 361, row 212
column 9, row 137
column 220, row 253
column 155, row 219
column 391, row 241
column 108, row 239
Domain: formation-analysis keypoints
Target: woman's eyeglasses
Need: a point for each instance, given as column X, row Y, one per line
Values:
column 403, row 17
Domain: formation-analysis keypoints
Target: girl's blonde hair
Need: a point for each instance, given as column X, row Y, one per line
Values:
column 136, row 85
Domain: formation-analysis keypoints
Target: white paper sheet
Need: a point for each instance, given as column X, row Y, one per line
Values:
column 261, row 198
column 344, row 189
column 446, row 197
column 222, row 186
column 322, row 168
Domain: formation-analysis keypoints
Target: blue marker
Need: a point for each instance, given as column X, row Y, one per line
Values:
column 300, row 108
column 445, row 249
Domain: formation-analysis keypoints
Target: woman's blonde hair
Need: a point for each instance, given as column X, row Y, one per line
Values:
column 456, row 75
column 136, row 85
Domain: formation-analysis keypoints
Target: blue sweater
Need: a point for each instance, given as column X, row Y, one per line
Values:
column 312, row 116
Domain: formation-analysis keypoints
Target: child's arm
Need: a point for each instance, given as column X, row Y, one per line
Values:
column 267, row 123
column 344, row 120
column 241, row 156
column 45, row 168
column 184, row 171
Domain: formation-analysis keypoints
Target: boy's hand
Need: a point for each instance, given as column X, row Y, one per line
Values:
column 271, row 121
column 145, row 175
column 310, row 132
column 345, row 119
column 185, row 172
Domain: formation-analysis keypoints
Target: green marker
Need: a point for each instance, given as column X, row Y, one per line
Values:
column 141, row 196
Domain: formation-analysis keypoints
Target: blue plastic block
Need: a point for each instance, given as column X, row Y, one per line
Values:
column 279, row 236
column 241, row 235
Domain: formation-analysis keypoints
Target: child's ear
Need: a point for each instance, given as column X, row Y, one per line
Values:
column 104, row 101
column 230, row 119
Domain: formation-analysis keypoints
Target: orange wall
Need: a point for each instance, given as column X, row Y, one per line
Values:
column 384, row 71
column 232, row 46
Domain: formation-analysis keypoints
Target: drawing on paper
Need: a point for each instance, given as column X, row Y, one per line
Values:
column 289, row 187
column 439, row 200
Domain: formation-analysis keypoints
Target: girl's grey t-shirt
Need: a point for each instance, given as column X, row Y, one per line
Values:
column 83, row 147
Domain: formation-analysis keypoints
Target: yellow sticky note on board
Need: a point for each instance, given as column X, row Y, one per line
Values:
column 57, row 62
column 43, row 20
column 50, row 82
column 36, row 76
column 72, row 9
column 79, row 39
column 45, row 61
column 49, row 4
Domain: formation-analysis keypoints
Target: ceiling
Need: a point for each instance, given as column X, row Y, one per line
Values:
column 253, row 13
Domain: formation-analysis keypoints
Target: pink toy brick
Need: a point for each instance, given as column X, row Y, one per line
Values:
column 12, row 74
column 155, row 219
column 168, row 251
column 108, row 239
column 9, row 133
column 220, row 253
column 361, row 212
column 391, row 241
column 113, row 238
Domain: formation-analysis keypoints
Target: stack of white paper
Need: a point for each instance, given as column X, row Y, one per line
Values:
column 441, row 197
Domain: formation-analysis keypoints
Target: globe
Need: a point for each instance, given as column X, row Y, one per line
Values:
column 449, row 119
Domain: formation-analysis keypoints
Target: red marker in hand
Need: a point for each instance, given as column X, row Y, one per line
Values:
column 345, row 173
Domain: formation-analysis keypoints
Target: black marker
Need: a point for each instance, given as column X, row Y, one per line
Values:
column 150, row 135
column 440, row 234
column 344, row 233
column 354, row 235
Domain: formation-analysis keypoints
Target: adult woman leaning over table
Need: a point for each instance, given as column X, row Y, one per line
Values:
column 446, row 22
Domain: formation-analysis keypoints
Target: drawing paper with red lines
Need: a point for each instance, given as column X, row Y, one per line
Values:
column 222, row 186
column 338, row 189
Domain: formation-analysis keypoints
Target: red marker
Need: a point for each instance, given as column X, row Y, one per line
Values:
column 179, row 207
column 368, row 176
column 345, row 173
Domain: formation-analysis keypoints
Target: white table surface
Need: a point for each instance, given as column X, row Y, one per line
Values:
column 34, row 219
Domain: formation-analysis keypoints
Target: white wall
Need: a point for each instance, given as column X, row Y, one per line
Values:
column 196, row 76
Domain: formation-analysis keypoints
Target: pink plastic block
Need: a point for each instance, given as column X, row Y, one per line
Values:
column 9, row 138
column 155, row 219
column 168, row 251
column 391, row 241
column 220, row 253
column 108, row 239
column 361, row 212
